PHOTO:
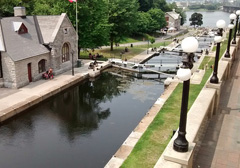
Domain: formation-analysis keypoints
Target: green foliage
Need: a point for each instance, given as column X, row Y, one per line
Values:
column 146, row 5
column 143, row 22
column 122, row 15
column 157, row 20
column 93, row 24
column 152, row 40
column 196, row 19
column 155, row 139
column 160, row 4
column 195, row 7
column 99, row 21
column 211, row 7
column 6, row 6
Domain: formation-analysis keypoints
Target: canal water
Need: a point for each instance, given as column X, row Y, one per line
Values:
column 209, row 18
column 82, row 127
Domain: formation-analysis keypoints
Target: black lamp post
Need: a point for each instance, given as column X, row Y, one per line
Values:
column 236, row 27
column 238, row 32
column 230, row 26
column 72, row 63
column 218, row 38
column 189, row 46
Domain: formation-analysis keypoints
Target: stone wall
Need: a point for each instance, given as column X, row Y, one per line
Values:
column 56, row 47
column 16, row 75
column 9, row 74
column 198, row 117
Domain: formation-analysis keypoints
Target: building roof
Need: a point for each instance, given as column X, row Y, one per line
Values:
column 173, row 14
column 2, row 48
column 47, row 26
column 21, row 46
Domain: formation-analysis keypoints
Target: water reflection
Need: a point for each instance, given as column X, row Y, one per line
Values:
column 79, row 108
column 85, row 123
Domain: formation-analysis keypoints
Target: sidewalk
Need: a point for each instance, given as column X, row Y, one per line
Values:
column 14, row 101
column 221, row 145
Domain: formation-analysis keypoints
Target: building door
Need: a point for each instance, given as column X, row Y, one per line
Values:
column 29, row 72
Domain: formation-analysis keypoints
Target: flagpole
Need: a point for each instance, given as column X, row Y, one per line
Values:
column 76, row 29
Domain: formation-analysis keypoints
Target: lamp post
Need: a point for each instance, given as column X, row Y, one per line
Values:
column 236, row 27
column 218, row 39
column 230, row 26
column 238, row 13
column 189, row 46
column 72, row 63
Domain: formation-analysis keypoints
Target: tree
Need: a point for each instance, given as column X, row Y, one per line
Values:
column 157, row 20
column 144, row 5
column 93, row 24
column 93, row 27
column 6, row 6
column 196, row 19
column 160, row 4
column 143, row 22
column 122, row 16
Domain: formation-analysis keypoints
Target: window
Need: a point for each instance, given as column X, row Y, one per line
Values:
column 65, row 52
column 65, row 31
column 20, row 28
column 41, row 66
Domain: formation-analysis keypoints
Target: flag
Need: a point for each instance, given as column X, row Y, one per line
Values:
column 72, row 1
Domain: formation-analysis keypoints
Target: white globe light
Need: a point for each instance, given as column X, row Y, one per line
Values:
column 218, row 39
column 221, row 24
column 184, row 74
column 238, row 12
column 230, row 26
column 189, row 44
column 233, row 16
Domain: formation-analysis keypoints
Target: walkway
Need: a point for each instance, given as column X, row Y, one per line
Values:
column 221, row 145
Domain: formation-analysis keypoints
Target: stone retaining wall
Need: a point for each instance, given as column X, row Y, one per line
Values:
column 198, row 117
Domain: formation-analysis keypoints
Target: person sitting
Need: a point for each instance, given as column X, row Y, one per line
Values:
column 90, row 55
column 91, row 65
column 50, row 73
column 45, row 75
column 95, row 63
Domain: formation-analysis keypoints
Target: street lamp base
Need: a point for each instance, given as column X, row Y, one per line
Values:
column 180, row 143
column 234, row 42
column 214, row 79
column 227, row 55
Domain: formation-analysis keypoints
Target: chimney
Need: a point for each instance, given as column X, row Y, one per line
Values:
column 20, row 11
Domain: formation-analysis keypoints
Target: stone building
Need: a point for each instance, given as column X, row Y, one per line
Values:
column 30, row 45
column 173, row 20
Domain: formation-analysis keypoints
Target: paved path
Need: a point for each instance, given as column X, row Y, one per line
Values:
column 221, row 144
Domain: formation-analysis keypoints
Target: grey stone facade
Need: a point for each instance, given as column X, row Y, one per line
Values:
column 44, row 40
column 66, row 34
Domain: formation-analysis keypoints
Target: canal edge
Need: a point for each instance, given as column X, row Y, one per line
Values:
column 17, row 103
column 127, row 146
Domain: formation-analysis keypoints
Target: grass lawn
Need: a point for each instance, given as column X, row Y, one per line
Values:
column 155, row 139
column 130, row 40
column 207, row 61
column 157, row 136
column 135, row 50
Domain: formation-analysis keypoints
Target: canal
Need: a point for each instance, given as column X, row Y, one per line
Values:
column 82, row 127
column 209, row 18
